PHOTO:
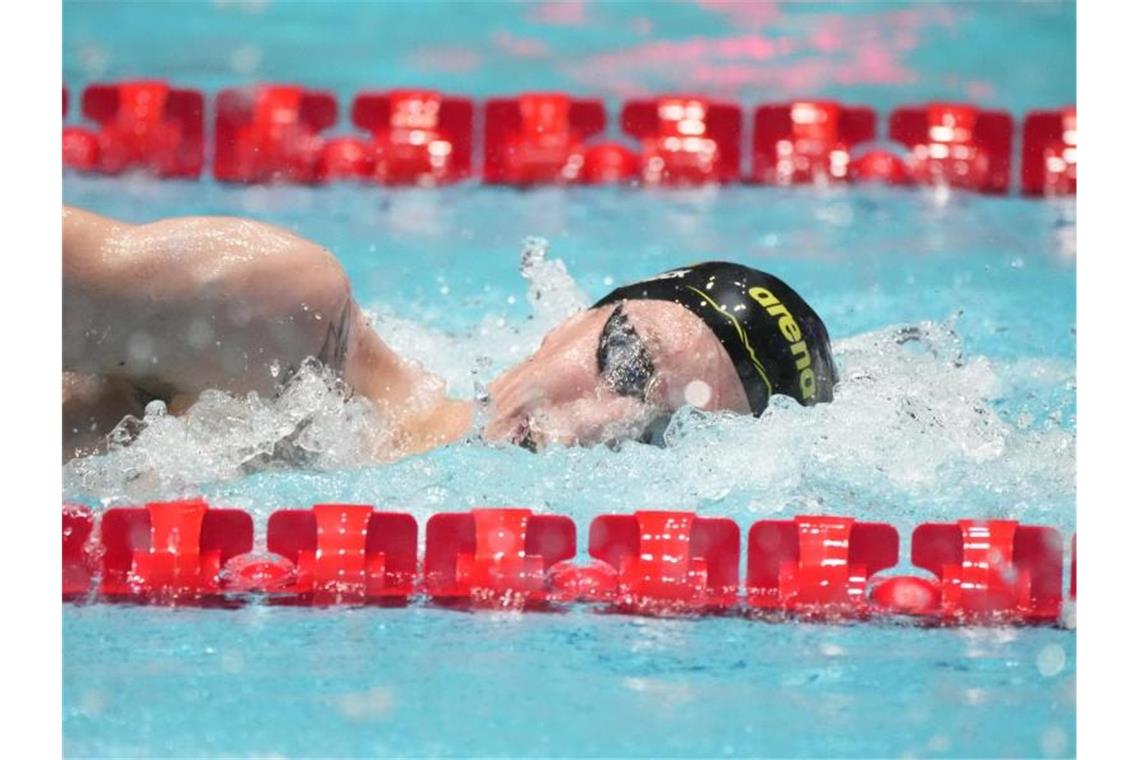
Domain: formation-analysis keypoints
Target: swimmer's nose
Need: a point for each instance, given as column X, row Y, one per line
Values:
column 505, row 423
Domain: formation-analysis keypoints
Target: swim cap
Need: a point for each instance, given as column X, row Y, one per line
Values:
column 776, row 342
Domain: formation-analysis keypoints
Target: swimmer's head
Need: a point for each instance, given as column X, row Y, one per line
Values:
column 716, row 336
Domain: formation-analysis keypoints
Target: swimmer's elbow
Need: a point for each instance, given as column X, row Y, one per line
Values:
column 310, row 280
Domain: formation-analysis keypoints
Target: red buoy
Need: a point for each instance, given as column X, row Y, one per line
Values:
column 596, row 581
column 906, row 594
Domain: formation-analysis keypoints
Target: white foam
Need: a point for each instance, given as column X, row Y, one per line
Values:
column 913, row 429
column 310, row 424
column 495, row 343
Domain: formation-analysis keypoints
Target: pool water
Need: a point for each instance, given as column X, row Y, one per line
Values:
column 279, row 682
column 973, row 415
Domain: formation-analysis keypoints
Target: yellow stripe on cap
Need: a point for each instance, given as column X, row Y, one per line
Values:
column 740, row 332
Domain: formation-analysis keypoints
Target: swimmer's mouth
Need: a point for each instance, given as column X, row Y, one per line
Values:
column 524, row 437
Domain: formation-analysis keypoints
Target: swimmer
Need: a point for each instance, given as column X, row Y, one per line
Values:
column 716, row 335
column 167, row 310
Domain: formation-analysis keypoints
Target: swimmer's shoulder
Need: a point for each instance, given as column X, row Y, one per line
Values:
column 179, row 256
column 213, row 247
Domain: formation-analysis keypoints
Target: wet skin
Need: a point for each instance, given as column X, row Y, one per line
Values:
column 558, row 395
column 169, row 309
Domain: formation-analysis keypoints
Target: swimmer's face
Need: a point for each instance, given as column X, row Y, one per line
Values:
column 607, row 374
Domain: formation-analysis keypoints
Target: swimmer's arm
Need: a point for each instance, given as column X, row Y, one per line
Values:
column 265, row 294
column 259, row 289
column 198, row 259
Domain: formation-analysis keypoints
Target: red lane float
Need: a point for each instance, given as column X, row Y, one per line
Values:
column 987, row 571
column 141, row 125
column 1073, row 571
column 495, row 556
column 417, row 137
column 685, row 140
column 881, row 165
column 1049, row 153
column 541, row 138
column 807, row 141
column 334, row 553
column 595, row 581
column 956, row 145
column 609, row 164
column 78, row 565
column 271, row 133
column 80, row 145
column 669, row 560
column 817, row 565
column 906, row 595
column 656, row 562
column 538, row 138
column 170, row 551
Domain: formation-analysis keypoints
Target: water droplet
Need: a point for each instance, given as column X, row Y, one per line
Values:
column 1054, row 741
column 698, row 393
column 246, row 60
column 1051, row 660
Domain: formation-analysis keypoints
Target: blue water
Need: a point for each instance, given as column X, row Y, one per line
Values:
column 1015, row 55
column 976, row 419
column 280, row 682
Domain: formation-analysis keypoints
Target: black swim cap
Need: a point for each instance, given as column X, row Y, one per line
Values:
column 775, row 340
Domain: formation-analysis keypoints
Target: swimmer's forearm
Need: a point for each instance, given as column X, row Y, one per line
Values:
column 415, row 399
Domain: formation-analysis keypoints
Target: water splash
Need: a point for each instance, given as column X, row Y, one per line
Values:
column 313, row 423
column 475, row 357
column 552, row 292
column 918, row 430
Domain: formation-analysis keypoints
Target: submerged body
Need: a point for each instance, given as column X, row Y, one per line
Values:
column 171, row 309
